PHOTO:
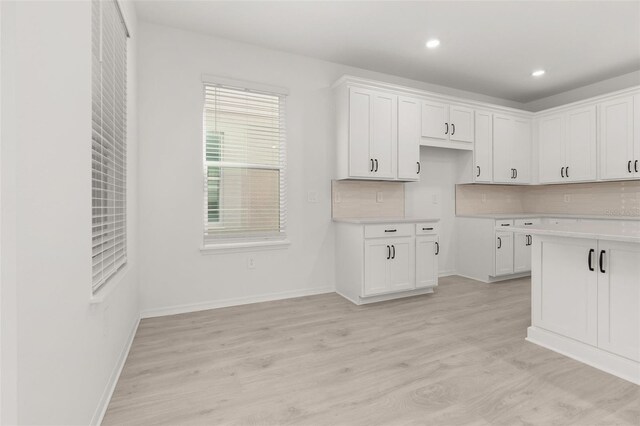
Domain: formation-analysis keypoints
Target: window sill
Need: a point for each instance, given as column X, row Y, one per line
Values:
column 110, row 286
column 238, row 247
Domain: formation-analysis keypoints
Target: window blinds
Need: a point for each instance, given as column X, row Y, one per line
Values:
column 244, row 150
column 108, row 141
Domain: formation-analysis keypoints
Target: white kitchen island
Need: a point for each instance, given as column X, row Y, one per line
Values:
column 585, row 284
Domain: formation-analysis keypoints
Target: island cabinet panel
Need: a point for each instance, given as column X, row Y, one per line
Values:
column 565, row 288
column 619, row 299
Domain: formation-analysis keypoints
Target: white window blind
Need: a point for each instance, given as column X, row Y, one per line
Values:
column 244, row 152
column 108, row 141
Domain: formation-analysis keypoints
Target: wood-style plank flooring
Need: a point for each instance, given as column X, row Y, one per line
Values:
column 455, row 357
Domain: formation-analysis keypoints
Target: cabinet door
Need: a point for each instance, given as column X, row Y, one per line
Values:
column 521, row 253
column 619, row 299
column 564, row 289
column 408, row 139
column 360, row 127
column 504, row 253
column 435, row 120
column 427, row 261
column 521, row 150
column 461, row 124
column 616, row 139
column 580, row 145
column 377, row 253
column 552, row 148
column 401, row 272
column 483, row 147
column 636, row 135
column 503, row 133
column 384, row 137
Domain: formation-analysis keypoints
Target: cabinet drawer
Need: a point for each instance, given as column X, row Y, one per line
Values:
column 504, row 223
column 527, row 222
column 428, row 228
column 389, row 230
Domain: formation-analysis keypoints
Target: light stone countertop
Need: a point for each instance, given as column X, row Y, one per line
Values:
column 500, row 216
column 375, row 220
column 610, row 231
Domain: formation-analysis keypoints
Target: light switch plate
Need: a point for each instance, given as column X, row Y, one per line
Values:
column 312, row 196
column 567, row 198
column 379, row 197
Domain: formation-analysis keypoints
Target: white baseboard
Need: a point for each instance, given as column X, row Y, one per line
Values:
column 101, row 410
column 602, row 360
column 446, row 273
column 224, row 303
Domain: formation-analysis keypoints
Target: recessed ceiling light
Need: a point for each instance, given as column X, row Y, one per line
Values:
column 433, row 43
column 538, row 73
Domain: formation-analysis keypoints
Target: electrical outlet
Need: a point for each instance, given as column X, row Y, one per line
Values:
column 484, row 197
column 379, row 197
column 435, row 199
column 251, row 262
column 567, row 198
column 312, row 196
column 337, row 197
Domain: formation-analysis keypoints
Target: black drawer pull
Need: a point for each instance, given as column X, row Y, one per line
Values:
column 427, row 229
column 602, row 252
column 505, row 224
column 528, row 223
column 390, row 230
column 499, row 243
column 590, row 256
column 388, row 252
column 437, row 248
column 394, row 252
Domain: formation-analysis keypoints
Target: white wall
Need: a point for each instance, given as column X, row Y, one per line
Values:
column 66, row 349
column 175, row 276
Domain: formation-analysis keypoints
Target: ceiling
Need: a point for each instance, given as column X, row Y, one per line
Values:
column 486, row 47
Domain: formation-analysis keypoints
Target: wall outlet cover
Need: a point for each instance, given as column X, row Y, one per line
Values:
column 379, row 197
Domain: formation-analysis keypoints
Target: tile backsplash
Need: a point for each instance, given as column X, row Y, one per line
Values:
column 351, row 199
column 616, row 199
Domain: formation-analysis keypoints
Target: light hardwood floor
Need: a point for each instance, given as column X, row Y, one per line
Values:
column 451, row 358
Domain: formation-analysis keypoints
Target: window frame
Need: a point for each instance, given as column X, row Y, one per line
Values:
column 244, row 241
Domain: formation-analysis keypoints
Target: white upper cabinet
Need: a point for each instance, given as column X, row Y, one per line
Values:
column 511, row 149
column 408, row 139
column 617, row 145
column 567, row 146
column 378, row 135
column 447, row 126
column 483, row 147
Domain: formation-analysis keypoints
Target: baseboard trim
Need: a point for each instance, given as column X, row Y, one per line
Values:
column 598, row 358
column 446, row 273
column 101, row 410
column 236, row 301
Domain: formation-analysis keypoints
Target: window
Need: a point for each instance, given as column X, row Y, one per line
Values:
column 244, row 164
column 108, row 141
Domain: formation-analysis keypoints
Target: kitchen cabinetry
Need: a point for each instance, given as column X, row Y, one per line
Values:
column 504, row 253
column 381, row 261
column 378, row 134
column 511, row 149
column 408, row 139
column 483, row 147
column 448, row 123
column 586, row 301
column 619, row 138
column 567, row 146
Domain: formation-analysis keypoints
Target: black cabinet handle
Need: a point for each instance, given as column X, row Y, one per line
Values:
column 418, row 163
column 504, row 224
column 528, row 223
column 371, row 159
column 636, row 166
column 527, row 243
column 427, row 229
column 446, row 131
column 629, row 166
column 453, row 129
column 602, row 252
column 376, row 160
column 499, row 243
column 590, row 256
column 437, row 248
column 388, row 252
column 394, row 252
column 478, row 175
column 562, row 172
column 516, row 173
column 390, row 230
column 567, row 171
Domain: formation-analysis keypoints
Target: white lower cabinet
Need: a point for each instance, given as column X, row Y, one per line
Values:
column 384, row 261
column 504, row 253
column 427, row 250
column 586, row 301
